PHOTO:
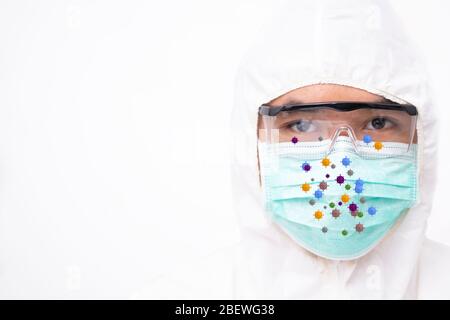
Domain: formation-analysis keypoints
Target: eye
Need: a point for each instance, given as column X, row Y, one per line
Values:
column 302, row 126
column 379, row 123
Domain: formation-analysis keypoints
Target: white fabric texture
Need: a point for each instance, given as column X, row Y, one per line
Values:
column 357, row 43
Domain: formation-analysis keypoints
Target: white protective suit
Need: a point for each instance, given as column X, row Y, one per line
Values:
column 358, row 43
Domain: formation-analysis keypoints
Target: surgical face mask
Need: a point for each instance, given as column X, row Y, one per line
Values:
column 338, row 196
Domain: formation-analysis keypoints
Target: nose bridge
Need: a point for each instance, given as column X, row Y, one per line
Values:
column 343, row 130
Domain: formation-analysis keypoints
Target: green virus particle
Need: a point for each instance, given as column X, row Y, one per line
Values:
column 344, row 232
column 360, row 214
column 348, row 187
column 332, row 205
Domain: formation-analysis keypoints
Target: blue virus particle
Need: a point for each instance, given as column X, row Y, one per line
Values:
column 306, row 166
column 359, row 182
column 346, row 161
column 372, row 211
column 367, row 138
column 318, row 194
column 358, row 188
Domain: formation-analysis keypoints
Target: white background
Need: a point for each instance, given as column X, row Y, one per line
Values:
column 114, row 140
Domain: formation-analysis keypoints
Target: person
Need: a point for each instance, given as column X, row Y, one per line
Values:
column 328, row 83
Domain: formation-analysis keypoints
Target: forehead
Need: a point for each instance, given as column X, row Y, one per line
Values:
column 325, row 93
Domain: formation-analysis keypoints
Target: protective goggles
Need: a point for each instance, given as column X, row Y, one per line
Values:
column 387, row 129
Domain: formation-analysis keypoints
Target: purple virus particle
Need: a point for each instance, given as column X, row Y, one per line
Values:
column 353, row 207
column 340, row 203
column 294, row 140
column 340, row 179
column 372, row 211
column 306, row 166
column 327, row 175
column 359, row 227
column 346, row 161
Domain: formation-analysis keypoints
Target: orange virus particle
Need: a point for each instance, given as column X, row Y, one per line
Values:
column 306, row 187
column 326, row 162
column 378, row 145
column 345, row 198
column 318, row 214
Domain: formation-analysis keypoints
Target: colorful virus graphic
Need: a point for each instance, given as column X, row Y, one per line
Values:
column 335, row 213
column 306, row 166
column 326, row 162
column 346, row 162
column 345, row 198
column 323, row 185
column 294, row 140
column 318, row 214
column 343, row 204
column 318, row 194
column 353, row 207
column 367, row 138
column 320, row 138
column 340, row 179
column 371, row 211
column 359, row 227
column 378, row 145
column 306, row 187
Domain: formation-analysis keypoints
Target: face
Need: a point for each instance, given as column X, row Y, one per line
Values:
column 386, row 125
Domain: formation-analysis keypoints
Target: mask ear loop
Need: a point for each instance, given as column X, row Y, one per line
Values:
column 337, row 133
